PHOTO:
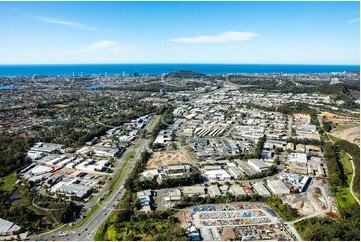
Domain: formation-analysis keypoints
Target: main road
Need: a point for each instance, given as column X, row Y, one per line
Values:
column 87, row 231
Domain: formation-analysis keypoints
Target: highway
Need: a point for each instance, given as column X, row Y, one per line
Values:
column 89, row 229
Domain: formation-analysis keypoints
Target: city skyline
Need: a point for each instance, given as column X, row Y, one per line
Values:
column 173, row 32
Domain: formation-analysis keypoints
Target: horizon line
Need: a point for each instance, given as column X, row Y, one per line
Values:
column 180, row 63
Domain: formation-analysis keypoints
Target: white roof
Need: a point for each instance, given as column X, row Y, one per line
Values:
column 41, row 169
column 298, row 157
column 6, row 226
column 217, row 172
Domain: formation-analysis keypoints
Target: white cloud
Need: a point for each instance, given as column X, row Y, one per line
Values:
column 65, row 23
column 352, row 21
column 220, row 38
column 106, row 45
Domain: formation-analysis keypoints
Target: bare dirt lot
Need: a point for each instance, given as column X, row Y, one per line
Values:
column 338, row 119
column 165, row 159
column 352, row 135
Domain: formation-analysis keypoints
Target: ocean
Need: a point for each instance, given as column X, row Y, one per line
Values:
column 152, row 69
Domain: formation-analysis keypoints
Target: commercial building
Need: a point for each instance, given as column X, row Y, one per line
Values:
column 257, row 165
column 277, row 187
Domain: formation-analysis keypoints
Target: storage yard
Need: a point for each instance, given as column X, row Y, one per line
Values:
column 239, row 221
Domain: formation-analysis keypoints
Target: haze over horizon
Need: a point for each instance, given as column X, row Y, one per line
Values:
column 173, row 32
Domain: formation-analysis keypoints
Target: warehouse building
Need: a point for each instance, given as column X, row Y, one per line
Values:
column 235, row 172
column 215, row 191
column 105, row 151
column 258, row 165
column 8, row 228
column 261, row 190
column 217, row 175
column 277, row 187
column 297, row 158
column 245, row 168
column 237, row 190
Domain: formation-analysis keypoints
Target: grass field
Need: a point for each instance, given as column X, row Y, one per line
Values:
column 333, row 138
column 344, row 197
column 347, row 166
column 7, row 182
column 343, row 194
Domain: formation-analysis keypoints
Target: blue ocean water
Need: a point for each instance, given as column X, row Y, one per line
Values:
column 149, row 69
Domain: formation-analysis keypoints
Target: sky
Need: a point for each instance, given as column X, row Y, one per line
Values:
column 180, row 32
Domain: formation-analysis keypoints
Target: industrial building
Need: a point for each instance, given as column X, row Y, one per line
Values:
column 297, row 158
column 47, row 147
column 193, row 190
column 105, row 151
column 237, row 190
column 217, row 175
column 35, row 155
column 216, row 192
column 235, row 171
column 245, row 168
column 258, row 165
column 261, row 190
column 8, row 228
column 278, row 187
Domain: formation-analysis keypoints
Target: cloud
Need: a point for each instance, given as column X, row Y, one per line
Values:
column 220, row 38
column 352, row 21
column 107, row 45
column 67, row 23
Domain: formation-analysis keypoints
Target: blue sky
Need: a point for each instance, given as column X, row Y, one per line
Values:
column 174, row 32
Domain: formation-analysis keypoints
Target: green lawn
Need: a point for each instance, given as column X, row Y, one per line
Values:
column 344, row 197
column 7, row 182
column 333, row 138
column 130, row 155
column 347, row 166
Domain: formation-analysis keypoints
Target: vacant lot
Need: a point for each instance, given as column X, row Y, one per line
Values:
column 165, row 159
column 352, row 135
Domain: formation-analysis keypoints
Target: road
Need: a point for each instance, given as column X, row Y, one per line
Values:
column 289, row 130
column 88, row 230
column 185, row 153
